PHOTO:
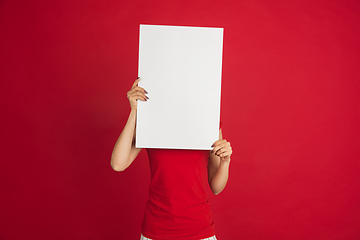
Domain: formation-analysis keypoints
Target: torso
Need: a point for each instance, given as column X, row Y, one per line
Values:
column 177, row 205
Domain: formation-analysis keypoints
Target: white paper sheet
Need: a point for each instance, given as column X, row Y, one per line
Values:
column 180, row 67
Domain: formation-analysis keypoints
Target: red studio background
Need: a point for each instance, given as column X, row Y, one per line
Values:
column 290, row 108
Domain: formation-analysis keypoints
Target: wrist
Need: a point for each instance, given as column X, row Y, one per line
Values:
column 132, row 114
column 225, row 163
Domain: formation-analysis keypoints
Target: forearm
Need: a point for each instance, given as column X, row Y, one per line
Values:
column 220, row 178
column 120, row 158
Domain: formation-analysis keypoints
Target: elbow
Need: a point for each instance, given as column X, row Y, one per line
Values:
column 216, row 193
column 117, row 167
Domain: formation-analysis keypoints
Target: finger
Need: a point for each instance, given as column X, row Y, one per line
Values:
column 136, row 82
column 226, row 154
column 218, row 142
column 220, row 146
column 222, row 151
column 136, row 90
column 134, row 93
column 138, row 96
column 216, row 150
column 140, row 89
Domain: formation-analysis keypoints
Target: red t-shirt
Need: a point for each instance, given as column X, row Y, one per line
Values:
column 177, row 207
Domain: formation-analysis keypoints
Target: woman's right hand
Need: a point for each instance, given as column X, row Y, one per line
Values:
column 136, row 93
column 125, row 151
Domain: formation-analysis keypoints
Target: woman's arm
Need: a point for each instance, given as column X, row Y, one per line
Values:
column 218, row 166
column 124, row 151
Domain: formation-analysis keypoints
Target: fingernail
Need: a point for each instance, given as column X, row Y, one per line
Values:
column 147, row 97
column 146, row 92
column 212, row 145
column 138, row 77
column 211, row 151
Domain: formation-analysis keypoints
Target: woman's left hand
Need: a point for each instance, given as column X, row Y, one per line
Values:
column 222, row 149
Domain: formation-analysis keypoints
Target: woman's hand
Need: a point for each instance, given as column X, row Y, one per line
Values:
column 136, row 93
column 218, row 165
column 222, row 149
column 124, row 151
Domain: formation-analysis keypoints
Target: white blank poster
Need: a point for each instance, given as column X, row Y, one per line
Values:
column 180, row 67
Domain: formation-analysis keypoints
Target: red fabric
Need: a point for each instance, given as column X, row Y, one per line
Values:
column 177, row 205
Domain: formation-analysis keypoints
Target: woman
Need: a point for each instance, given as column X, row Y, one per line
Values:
column 177, row 207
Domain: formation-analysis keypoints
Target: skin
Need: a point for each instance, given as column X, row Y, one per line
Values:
column 125, row 152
